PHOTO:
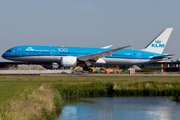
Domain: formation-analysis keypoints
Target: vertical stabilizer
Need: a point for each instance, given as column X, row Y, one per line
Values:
column 159, row 43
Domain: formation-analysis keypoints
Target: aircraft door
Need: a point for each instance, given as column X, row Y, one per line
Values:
column 53, row 52
column 19, row 51
column 139, row 56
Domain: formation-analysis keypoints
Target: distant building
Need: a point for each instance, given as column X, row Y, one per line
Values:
column 168, row 66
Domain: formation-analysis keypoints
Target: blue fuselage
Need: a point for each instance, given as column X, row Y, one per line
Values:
column 55, row 53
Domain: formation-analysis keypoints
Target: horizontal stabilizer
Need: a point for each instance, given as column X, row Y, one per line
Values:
column 159, row 57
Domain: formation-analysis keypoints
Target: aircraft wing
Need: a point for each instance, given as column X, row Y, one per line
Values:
column 96, row 56
column 157, row 57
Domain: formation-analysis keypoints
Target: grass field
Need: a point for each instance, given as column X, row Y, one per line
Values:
column 37, row 78
column 37, row 90
column 12, row 85
column 8, row 90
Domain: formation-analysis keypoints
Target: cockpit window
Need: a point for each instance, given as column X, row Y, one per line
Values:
column 8, row 51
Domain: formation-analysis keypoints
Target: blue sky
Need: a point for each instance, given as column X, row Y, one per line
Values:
column 88, row 23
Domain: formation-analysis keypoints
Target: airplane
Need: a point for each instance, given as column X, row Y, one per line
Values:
column 71, row 56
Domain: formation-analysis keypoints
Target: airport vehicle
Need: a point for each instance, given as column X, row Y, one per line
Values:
column 71, row 56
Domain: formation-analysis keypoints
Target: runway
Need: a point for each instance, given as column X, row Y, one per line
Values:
column 69, row 73
column 109, row 74
column 29, row 72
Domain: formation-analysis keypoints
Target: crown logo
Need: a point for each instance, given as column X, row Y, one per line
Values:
column 158, row 41
column 30, row 49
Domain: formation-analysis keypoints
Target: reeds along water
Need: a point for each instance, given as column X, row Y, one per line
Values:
column 147, row 89
column 125, row 89
column 82, row 89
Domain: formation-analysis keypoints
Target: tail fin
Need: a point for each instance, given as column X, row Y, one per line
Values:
column 159, row 43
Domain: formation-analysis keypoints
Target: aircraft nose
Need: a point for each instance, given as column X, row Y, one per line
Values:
column 3, row 55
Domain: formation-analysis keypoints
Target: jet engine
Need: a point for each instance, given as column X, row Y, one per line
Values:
column 69, row 61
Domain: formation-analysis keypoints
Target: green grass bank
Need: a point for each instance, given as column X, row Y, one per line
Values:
column 41, row 97
column 36, row 101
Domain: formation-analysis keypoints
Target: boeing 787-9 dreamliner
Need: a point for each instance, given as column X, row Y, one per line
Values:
column 71, row 56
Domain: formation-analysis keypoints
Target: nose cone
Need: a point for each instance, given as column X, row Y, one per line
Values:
column 4, row 55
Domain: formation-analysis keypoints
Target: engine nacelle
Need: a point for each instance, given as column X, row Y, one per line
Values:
column 69, row 61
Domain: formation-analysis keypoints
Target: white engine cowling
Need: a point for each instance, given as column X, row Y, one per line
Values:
column 69, row 61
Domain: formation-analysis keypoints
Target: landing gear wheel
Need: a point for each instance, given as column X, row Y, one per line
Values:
column 101, row 69
column 90, row 70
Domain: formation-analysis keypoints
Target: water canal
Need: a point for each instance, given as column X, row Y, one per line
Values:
column 120, row 108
